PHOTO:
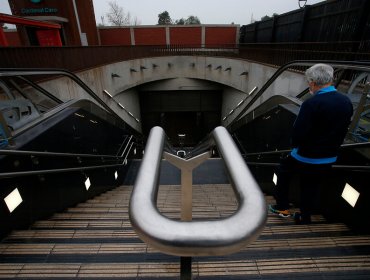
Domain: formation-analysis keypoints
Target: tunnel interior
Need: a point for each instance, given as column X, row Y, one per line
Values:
column 186, row 116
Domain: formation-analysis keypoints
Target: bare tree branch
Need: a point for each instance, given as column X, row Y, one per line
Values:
column 117, row 16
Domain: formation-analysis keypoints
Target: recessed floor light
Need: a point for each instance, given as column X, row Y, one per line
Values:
column 13, row 200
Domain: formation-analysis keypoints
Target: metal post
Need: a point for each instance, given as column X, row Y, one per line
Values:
column 186, row 194
column 185, row 268
column 186, row 167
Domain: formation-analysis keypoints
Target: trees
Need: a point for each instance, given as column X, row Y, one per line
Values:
column 267, row 17
column 118, row 17
column 192, row 20
column 165, row 19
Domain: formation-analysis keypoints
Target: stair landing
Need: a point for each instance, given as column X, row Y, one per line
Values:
column 95, row 240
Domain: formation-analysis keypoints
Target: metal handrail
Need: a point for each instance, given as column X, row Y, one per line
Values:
column 55, row 171
column 353, row 65
column 197, row 238
column 335, row 166
column 62, row 170
column 350, row 145
column 122, row 159
column 54, row 154
column 14, row 72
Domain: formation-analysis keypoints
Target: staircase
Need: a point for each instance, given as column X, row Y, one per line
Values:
column 95, row 240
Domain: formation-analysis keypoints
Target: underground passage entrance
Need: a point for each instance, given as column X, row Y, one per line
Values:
column 186, row 116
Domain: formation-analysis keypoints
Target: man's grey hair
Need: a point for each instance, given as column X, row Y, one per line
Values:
column 321, row 74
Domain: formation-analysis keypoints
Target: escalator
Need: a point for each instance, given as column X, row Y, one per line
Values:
column 59, row 156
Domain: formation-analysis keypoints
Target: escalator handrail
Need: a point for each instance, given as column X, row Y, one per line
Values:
column 6, row 72
column 201, row 237
column 122, row 159
column 54, row 154
column 350, row 145
column 353, row 65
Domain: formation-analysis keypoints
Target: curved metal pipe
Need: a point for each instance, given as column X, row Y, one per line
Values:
column 197, row 238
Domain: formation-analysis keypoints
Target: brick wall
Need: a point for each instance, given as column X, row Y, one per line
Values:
column 115, row 36
column 221, row 35
column 150, row 36
column 186, row 36
column 172, row 35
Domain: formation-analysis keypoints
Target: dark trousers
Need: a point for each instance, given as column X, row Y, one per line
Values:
column 310, row 177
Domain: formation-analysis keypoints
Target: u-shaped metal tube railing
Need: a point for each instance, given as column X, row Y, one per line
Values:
column 201, row 237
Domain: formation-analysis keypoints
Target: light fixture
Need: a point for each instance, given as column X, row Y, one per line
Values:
column 228, row 69
column 115, row 175
column 13, row 200
column 274, row 179
column 302, row 3
column 132, row 70
column 245, row 73
column 119, row 104
column 253, row 90
column 137, row 120
column 169, row 64
column 135, row 151
column 218, row 67
column 240, row 103
column 142, row 68
column 87, row 183
column 79, row 115
column 350, row 195
column 114, row 75
column 93, row 121
column 107, row 93
column 209, row 66
column 192, row 64
column 154, row 65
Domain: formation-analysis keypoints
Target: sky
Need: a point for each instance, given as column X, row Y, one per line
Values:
column 208, row 11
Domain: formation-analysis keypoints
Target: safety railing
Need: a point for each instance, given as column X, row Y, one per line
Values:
column 15, row 72
column 201, row 237
column 92, row 161
column 76, row 58
column 264, row 158
column 363, row 66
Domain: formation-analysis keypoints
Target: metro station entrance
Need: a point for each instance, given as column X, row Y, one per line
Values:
column 192, row 114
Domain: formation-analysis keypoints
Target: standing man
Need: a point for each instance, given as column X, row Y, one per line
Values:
column 318, row 132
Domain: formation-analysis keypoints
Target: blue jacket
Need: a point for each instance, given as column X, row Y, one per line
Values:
column 320, row 127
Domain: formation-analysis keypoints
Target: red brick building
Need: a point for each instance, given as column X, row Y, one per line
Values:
column 76, row 17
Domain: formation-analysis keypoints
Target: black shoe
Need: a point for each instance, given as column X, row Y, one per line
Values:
column 299, row 219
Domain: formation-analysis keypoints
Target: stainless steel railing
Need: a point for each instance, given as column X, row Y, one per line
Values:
column 201, row 237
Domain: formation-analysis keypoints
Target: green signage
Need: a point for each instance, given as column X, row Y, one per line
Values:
column 46, row 10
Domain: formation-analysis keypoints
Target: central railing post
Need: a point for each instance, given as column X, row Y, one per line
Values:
column 186, row 167
column 186, row 194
